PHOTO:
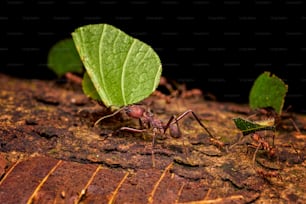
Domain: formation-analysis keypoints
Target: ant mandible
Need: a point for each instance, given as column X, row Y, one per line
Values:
column 148, row 121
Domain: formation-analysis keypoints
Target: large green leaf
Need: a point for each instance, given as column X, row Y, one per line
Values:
column 268, row 91
column 123, row 69
column 63, row 58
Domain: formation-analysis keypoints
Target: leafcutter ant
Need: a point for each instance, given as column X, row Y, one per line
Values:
column 262, row 144
column 148, row 122
column 176, row 90
column 268, row 174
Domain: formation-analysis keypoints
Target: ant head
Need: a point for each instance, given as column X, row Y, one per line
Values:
column 134, row 111
column 256, row 136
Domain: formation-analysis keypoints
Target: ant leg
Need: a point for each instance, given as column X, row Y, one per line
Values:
column 255, row 153
column 273, row 137
column 239, row 141
column 294, row 125
column 108, row 116
column 152, row 150
column 296, row 151
column 168, row 123
column 198, row 120
column 250, row 146
column 140, row 123
column 297, row 129
column 132, row 130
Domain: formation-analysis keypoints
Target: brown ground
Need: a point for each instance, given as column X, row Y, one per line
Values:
column 51, row 153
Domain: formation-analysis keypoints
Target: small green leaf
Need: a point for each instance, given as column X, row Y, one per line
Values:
column 248, row 127
column 122, row 69
column 89, row 89
column 268, row 91
column 63, row 57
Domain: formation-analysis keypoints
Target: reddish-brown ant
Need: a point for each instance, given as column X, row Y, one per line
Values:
column 149, row 122
column 163, row 96
column 176, row 90
column 263, row 145
column 268, row 174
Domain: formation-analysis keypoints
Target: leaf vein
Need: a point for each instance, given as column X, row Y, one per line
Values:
column 124, row 70
column 106, row 99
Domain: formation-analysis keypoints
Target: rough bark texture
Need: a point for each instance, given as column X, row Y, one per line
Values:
column 51, row 153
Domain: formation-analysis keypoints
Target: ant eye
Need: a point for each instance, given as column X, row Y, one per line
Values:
column 127, row 110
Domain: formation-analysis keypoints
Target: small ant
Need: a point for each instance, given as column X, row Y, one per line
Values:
column 268, row 174
column 148, row 121
column 176, row 90
column 263, row 145
column 163, row 96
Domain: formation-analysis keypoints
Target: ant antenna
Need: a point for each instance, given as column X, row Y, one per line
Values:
column 108, row 116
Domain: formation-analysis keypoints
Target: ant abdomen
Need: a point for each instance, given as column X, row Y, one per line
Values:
column 174, row 130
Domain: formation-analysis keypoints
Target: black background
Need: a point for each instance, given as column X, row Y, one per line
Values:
column 218, row 46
